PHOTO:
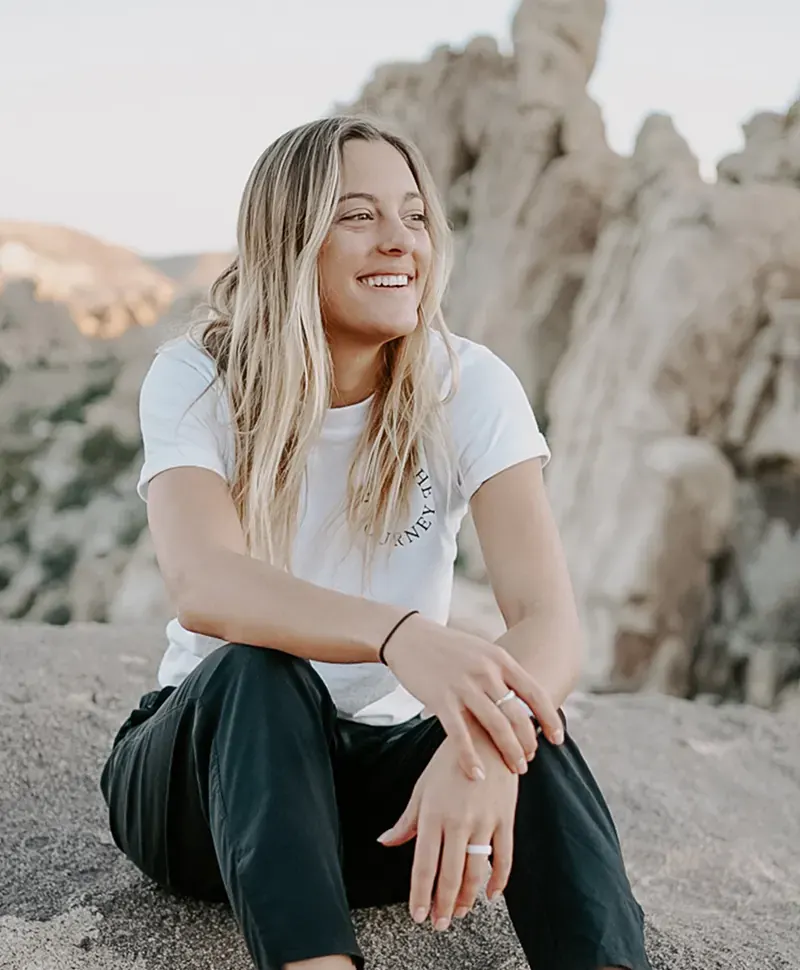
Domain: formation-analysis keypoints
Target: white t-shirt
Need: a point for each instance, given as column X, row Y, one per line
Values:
column 493, row 428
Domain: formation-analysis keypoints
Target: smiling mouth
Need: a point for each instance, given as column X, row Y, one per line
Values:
column 388, row 281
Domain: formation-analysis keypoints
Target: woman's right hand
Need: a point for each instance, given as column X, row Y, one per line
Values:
column 452, row 672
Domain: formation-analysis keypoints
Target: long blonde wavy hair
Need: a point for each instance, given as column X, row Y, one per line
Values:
column 264, row 330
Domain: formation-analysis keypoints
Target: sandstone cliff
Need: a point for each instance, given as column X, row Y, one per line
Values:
column 655, row 322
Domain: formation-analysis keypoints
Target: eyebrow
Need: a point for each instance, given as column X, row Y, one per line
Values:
column 373, row 199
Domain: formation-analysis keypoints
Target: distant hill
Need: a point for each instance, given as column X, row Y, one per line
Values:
column 106, row 289
column 193, row 272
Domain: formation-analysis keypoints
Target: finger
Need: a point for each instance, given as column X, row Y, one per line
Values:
column 502, row 858
column 405, row 828
column 537, row 699
column 476, row 870
column 499, row 729
column 451, row 875
column 523, row 726
column 454, row 723
column 424, row 869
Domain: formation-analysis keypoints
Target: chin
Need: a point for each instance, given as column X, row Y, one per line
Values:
column 386, row 329
column 399, row 328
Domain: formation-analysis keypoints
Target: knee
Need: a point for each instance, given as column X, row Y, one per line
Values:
column 258, row 675
column 559, row 792
column 243, row 659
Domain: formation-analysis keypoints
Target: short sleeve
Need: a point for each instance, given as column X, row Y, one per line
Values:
column 494, row 422
column 181, row 417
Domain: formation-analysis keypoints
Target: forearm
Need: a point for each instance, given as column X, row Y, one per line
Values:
column 548, row 644
column 243, row 600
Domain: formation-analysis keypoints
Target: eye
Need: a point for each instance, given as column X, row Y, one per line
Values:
column 357, row 216
column 419, row 217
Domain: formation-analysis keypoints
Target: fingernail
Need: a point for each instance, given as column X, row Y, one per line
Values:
column 531, row 755
column 419, row 914
column 461, row 912
column 385, row 836
column 495, row 895
column 522, row 766
column 441, row 924
column 478, row 774
column 558, row 737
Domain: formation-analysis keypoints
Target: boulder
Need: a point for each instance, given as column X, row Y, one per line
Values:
column 705, row 799
column 672, row 412
column 771, row 150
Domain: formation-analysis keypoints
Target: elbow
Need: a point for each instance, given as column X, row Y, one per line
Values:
column 203, row 621
column 194, row 606
column 197, row 614
column 192, row 619
column 190, row 616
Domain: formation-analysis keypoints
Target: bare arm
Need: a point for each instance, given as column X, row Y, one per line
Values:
column 528, row 572
column 220, row 591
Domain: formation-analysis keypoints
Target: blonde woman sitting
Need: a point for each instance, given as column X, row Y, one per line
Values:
column 321, row 740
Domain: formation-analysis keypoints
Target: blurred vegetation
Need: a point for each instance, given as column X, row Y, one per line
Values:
column 103, row 455
column 74, row 407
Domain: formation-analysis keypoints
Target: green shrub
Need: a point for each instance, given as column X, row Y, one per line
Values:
column 58, row 615
column 59, row 562
column 18, row 485
column 103, row 456
column 106, row 456
column 73, row 408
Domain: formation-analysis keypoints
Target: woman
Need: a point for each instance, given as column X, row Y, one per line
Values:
column 322, row 740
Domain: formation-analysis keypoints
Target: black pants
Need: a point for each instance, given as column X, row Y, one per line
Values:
column 244, row 785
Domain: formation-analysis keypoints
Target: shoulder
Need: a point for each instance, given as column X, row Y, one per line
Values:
column 184, row 354
column 491, row 418
column 481, row 372
column 180, row 379
column 180, row 367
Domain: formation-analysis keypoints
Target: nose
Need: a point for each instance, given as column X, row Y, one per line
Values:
column 396, row 238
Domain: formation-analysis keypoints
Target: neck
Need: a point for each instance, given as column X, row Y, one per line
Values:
column 355, row 374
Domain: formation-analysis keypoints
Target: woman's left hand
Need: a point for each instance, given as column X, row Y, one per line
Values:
column 448, row 811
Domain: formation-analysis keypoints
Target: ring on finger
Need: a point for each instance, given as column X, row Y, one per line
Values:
column 477, row 848
column 510, row 696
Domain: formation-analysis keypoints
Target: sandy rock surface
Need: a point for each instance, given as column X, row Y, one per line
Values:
column 705, row 799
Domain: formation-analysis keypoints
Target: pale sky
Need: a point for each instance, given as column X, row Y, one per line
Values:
column 140, row 121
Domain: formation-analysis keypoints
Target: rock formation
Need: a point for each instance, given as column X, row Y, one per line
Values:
column 675, row 421
column 519, row 152
column 105, row 288
column 69, row 438
column 654, row 321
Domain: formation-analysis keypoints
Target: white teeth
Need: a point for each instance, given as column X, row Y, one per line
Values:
column 387, row 280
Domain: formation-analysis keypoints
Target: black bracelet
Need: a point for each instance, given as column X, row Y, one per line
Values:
column 388, row 636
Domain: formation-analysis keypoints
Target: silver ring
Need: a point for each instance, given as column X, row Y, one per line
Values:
column 510, row 696
column 475, row 849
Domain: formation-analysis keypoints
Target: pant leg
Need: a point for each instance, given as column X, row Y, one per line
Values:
column 228, row 790
column 568, row 894
column 376, row 771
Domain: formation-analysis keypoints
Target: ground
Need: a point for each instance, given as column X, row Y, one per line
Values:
column 707, row 801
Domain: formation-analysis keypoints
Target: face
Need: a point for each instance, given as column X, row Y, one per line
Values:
column 376, row 258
